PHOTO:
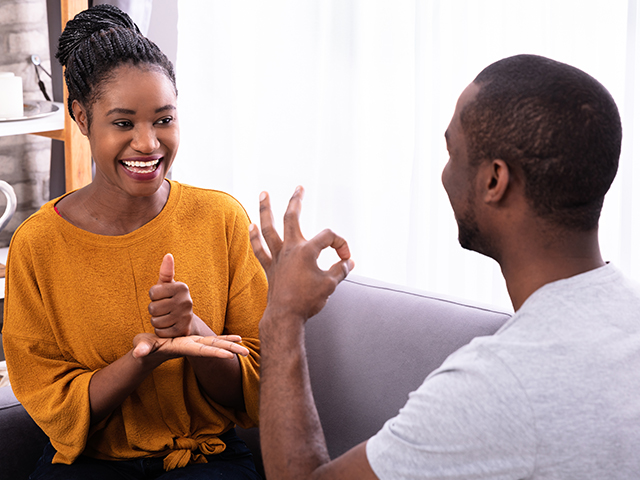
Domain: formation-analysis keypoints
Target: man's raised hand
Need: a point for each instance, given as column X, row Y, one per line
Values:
column 297, row 286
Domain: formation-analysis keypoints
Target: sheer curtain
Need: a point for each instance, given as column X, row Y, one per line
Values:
column 351, row 98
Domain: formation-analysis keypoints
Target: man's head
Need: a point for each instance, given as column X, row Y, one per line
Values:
column 554, row 125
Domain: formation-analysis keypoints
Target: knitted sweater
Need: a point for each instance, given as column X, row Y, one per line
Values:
column 75, row 300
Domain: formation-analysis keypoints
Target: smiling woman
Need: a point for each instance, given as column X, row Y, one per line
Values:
column 133, row 131
column 120, row 350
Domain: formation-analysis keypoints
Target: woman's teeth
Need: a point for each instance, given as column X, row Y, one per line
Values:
column 141, row 167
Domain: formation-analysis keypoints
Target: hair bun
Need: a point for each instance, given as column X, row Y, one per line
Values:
column 88, row 22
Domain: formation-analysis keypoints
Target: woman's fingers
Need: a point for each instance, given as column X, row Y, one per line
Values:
column 220, row 346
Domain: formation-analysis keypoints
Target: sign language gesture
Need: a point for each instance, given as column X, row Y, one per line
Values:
column 177, row 331
column 171, row 307
column 298, row 288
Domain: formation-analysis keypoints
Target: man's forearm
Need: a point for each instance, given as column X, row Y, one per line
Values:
column 291, row 433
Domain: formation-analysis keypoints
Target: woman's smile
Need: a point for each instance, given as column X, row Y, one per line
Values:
column 145, row 166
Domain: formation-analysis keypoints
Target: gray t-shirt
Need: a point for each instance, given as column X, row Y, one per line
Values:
column 554, row 394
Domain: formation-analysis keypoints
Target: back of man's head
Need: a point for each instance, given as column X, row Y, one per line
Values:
column 557, row 126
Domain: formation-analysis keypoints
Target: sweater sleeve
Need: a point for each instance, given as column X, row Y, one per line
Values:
column 246, row 304
column 48, row 383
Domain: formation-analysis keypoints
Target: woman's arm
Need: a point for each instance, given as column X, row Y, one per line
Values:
column 172, row 314
column 111, row 385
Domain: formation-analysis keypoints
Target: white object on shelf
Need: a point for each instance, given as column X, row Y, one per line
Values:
column 11, row 99
column 12, row 202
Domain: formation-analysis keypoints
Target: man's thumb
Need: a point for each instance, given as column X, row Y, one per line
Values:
column 167, row 269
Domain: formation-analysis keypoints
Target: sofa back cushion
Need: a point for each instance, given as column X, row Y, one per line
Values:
column 374, row 343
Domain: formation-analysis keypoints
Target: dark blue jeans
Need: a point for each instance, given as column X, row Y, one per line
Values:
column 236, row 462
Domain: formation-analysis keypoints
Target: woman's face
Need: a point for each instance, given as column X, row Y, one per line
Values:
column 134, row 133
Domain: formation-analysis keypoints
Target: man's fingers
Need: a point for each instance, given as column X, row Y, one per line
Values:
column 341, row 269
column 263, row 256
column 328, row 238
column 167, row 269
column 292, row 215
column 269, row 232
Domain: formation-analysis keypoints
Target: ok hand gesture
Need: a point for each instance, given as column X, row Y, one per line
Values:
column 298, row 288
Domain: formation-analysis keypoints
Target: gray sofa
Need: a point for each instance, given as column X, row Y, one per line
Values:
column 371, row 345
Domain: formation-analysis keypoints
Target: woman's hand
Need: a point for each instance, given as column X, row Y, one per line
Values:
column 218, row 346
column 171, row 307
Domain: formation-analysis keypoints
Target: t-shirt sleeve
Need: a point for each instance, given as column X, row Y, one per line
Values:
column 470, row 419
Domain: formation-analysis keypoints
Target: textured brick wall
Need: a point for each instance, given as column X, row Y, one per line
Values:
column 24, row 159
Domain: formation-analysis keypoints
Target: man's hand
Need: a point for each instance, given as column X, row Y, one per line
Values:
column 171, row 307
column 293, row 445
column 298, row 288
column 219, row 346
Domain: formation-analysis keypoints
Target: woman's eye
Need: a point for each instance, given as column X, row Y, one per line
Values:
column 122, row 123
column 165, row 121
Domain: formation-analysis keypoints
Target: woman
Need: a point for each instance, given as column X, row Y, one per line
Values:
column 107, row 351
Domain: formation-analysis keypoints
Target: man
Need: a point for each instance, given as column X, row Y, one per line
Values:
column 534, row 147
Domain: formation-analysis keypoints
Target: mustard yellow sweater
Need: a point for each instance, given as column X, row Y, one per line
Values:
column 75, row 300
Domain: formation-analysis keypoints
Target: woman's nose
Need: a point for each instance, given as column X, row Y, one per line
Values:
column 145, row 140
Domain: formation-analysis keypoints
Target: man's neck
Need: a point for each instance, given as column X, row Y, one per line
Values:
column 535, row 264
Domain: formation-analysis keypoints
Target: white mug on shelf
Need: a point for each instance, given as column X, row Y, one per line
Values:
column 11, row 98
column 12, row 203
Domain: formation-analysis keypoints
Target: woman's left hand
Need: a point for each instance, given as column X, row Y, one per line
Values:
column 218, row 346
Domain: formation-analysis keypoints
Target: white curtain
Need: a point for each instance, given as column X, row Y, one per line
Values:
column 351, row 98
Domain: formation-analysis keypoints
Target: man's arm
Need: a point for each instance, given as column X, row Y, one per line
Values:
column 292, row 441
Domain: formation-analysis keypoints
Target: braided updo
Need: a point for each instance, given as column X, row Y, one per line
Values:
column 97, row 41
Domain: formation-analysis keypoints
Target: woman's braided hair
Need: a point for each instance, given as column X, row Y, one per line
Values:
column 97, row 41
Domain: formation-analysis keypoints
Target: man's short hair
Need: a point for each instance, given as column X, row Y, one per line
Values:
column 555, row 124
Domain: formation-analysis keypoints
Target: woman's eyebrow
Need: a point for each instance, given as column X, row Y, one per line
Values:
column 166, row 107
column 124, row 111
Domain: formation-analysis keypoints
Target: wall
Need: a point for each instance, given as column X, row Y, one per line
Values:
column 24, row 159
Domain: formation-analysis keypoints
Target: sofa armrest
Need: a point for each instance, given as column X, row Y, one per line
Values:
column 21, row 440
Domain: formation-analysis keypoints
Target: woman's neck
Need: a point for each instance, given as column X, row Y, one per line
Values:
column 97, row 210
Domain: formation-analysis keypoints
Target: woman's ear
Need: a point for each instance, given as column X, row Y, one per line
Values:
column 82, row 119
column 497, row 180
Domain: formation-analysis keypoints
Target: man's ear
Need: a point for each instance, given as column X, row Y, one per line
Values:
column 82, row 119
column 497, row 178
